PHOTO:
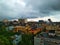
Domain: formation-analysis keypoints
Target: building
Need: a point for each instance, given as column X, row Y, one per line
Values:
column 6, row 22
column 22, row 20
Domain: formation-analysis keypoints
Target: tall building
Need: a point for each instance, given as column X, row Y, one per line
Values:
column 6, row 22
column 22, row 20
column 50, row 20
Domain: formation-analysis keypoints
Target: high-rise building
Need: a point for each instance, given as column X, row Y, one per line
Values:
column 50, row 20
column 22, row 20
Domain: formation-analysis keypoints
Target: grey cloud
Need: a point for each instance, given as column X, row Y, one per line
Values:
column 32, row 8
column 46, row 7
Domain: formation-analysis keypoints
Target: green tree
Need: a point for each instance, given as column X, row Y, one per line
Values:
column 4, row 40
column 26, row 39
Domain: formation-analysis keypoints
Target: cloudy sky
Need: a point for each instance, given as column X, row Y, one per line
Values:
column 40, row 9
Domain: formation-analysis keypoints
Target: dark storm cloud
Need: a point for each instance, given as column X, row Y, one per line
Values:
column 28, row 8
column 46, row 7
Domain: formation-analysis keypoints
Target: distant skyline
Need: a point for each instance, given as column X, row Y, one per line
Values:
column 41, row 9
column 45, row 19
